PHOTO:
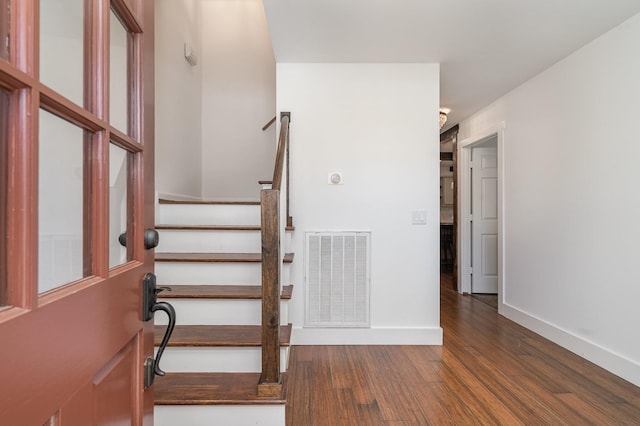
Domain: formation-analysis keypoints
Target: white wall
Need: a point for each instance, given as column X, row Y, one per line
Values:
column 238, row 98
column 372, row 123
column 178, row 98
column 571, row 200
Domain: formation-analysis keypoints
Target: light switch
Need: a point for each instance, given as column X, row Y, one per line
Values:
column 419, row 217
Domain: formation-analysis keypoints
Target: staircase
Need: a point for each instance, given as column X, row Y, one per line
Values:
column 209, row 262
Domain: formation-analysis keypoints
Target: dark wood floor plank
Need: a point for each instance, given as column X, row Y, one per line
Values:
column 422, row 367
column 558, row 372
column 433, row 409
column 507, row 389
column 606, row 385
column 489, row 371
column 359, row 374
column 457, row 409
column 454, row 385
column 396, row 383
column 483, row 397
column 566, row 414
column 594, row 415
column 408, row 385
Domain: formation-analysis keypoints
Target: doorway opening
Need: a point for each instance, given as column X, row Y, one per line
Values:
column 481, row 214
column 448, row 197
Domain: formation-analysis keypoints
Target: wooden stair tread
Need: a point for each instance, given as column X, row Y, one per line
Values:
column 215, row 257
column 171, row 227
column 209, row 227
column 219, row 292
column 218, row 335
column 210, row 202
column 212, row 389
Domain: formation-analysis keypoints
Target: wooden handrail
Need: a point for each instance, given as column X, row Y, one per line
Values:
column 282, row 160
column 270, row 383
column 266, row 126
column 282, row 148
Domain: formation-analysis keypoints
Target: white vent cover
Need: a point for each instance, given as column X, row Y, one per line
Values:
column 337, row 266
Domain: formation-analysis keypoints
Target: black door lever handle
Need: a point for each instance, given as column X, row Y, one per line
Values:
column 150, row 305
column 171, row 313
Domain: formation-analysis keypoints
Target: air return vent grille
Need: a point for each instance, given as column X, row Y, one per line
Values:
column 337, row 266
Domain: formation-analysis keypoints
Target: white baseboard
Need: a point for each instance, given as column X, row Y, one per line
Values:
column 367, row 336
column 610, row 361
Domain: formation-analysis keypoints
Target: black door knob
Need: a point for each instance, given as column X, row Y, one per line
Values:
column 122, row 238
column 151, row 238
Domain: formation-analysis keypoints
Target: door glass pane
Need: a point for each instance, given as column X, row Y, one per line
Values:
column 5, row 13
column 117, row 204
column 61, row 47
column 60, row 202
column 118, row 101
column 4, row 133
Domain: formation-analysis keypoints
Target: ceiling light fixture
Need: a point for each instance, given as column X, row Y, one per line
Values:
column 443, row 116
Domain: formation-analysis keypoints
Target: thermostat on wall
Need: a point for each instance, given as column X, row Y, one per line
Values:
column 335, row 178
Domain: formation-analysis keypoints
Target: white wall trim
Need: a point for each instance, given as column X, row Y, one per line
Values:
column 611, row 361
column 464, row 193
column 367, row 336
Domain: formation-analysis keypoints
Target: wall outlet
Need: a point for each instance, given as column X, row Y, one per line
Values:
column 419, row 217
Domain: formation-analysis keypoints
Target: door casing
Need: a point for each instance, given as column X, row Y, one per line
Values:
column 464, row 207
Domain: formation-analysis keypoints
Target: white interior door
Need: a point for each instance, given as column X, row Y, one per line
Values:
column 484, row 225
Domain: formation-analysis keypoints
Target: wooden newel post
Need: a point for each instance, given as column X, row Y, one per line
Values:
column 270, row 380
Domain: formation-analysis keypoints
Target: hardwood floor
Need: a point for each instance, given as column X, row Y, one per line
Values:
column 489, row 371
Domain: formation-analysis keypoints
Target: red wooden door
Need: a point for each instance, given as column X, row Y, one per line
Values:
column 76, row 171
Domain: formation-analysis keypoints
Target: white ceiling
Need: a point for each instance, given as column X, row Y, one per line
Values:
column 485, row 47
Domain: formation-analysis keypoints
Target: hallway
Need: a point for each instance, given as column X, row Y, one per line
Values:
column 489, row 371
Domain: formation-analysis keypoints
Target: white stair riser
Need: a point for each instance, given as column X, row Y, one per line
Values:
column 234, row 273
column 207, row 214
column 219, row 312
column 213, row 241
column 215, row 359
column 208, row 273
column 227, row 415
column 209, row 241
